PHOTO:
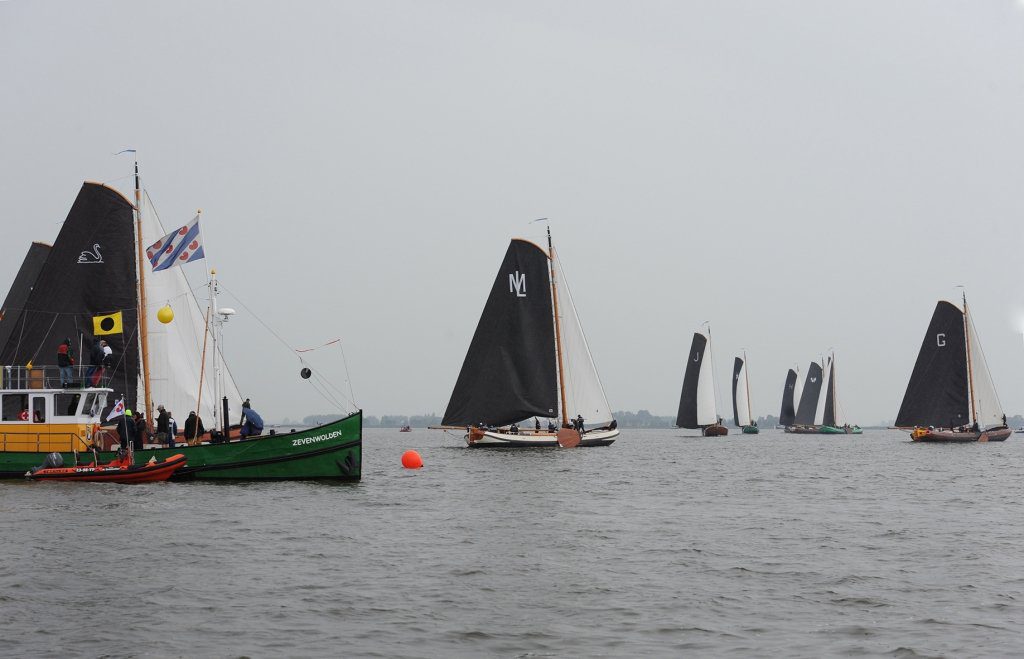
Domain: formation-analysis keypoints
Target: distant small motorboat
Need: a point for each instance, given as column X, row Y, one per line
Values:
column 405, row 429
column 117, row 471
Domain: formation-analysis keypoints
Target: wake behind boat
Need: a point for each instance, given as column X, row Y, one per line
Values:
column 529, row 358
column 951, row 397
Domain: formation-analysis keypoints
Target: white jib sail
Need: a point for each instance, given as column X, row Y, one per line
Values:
column 840, row 417
column 826, row 382
column 176, row 349
column 986, row 401
column 584, row 394
column 742, row 404
column 706, row 412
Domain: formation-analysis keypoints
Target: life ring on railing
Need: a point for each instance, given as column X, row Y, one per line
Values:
column 23, row 416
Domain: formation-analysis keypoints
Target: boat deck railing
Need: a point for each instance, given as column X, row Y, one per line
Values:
column 41, row 441
column 49, row 377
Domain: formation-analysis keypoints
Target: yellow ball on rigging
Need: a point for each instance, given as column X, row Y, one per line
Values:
column 165, row 314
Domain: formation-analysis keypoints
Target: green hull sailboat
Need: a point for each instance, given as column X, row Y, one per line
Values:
column 101, row 293
column 332, row 451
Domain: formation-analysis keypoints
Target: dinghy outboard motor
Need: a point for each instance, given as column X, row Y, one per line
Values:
column 52, row 461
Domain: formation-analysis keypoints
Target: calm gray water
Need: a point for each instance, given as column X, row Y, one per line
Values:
column 659, row 545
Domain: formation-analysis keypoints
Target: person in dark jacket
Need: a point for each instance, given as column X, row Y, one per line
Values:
column 252, row 423
column 95, row 371
column 125, row 429
column 163, row 424
column 141, row 431
column 65, row 360
column 193, row 427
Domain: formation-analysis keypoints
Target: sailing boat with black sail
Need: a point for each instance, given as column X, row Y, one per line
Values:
column 697, row 409
column 93, row 286
column 790, row 396
column 529, row 360
column 951, row 396
column 741, row 414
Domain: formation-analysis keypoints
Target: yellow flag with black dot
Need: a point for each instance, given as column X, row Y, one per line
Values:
column 108, row 324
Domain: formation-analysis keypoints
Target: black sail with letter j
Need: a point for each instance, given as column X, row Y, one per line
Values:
column 687, row 416
column 788, row 412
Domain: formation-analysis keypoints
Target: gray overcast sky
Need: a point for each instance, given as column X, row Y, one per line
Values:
column 802, row 174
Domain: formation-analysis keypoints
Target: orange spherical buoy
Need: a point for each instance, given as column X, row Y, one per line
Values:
column 411, row 460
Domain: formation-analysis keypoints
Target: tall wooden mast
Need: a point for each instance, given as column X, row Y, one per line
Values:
column 970, row 371
column 558, row 330
column 143, row 322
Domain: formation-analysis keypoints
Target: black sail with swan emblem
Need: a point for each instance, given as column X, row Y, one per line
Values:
column 808, row 406
column 89, row 271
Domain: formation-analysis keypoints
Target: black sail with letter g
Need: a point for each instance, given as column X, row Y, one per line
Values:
column 788, row 412
column 509, row 373
column 809, row 398
column 687, row 416
column 737, row 366
column 937, row 392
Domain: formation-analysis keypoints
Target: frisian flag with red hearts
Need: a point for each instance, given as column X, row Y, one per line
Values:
column 182, row 245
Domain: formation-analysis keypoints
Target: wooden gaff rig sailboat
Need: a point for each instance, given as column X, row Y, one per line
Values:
column 529, row 358
column 741, row 408
column 697, row 407
column 951, row 396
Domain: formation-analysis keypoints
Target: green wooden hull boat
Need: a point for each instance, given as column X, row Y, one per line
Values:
column 842, row 430
column 331, row 451
column 751, row 430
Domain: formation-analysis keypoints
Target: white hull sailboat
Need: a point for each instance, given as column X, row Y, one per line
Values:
column 529, row 360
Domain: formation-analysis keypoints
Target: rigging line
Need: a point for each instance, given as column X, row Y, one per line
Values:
column 46, row 336
column 275, row 334
column 329, row 386
column 347, row 376
column 258, row 319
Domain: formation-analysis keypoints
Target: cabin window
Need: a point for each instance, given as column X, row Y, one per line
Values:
column 66, row 404
column 90, row 405
column 15, row 407
column 38, row 409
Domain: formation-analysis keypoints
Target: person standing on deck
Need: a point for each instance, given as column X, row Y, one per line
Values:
column 193, row 427
column 141, row 431
column 162, row 424
column 65, row 361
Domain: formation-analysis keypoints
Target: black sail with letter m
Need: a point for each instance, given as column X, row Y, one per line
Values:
column 687, row 415
column 509, row 372
column 788, row 413
column 937, row 392
column 808, row 406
